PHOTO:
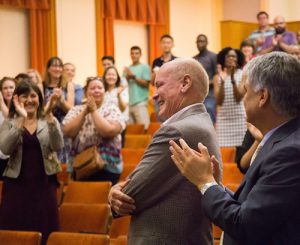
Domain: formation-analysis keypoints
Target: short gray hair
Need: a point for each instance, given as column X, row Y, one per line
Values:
column 279, row 73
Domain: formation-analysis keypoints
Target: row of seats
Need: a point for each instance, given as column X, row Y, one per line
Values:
column 58, row 238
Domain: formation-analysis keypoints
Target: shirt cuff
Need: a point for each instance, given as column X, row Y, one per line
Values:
column 204, row 188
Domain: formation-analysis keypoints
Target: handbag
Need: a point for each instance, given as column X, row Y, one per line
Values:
column 87, row 163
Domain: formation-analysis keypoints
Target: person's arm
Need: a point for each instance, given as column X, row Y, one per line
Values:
column 67, row 104
column 55, row 135
column 11, row 134
column 155, row 176
column 104, row 127
column 219, row 89
column 270, row 204
column 238, row 90
column 268, row 45
column 286, row 45
column 273, row 199
column 121, row 102
column 73, row 121
column 3, row 106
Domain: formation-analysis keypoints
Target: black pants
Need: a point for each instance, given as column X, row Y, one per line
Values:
column 3, row 164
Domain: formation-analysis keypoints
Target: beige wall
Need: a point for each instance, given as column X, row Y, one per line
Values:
column 241, row 10
column 126, row 35
column 190, row 18
column 76, row 35
column 290, row 9
column 14, row 41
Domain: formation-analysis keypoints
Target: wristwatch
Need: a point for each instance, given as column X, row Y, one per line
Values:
column 133, row 77
column 204, row 188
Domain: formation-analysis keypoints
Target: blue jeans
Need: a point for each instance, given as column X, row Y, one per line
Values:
column 210, row 104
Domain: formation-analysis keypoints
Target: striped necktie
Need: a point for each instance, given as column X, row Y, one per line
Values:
column 256, row 152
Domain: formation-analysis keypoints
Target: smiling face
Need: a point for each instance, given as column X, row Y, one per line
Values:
column 69, row 71
column 231, row 59
column 55, row 69
column 167, row 93
column 30, row 101
column 96, row 90
column 7, row 90
column 111, row 77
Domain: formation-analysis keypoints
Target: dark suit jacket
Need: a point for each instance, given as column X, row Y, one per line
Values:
column 168, row 205
column 265, row 210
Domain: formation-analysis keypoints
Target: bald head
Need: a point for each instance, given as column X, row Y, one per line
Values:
column 179, row 83
column 181, row 67
column 279, row 24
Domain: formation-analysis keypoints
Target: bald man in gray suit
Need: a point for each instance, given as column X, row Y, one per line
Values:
column 164, row 206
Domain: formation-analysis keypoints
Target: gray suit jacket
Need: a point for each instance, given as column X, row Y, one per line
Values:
column 49, row 136
column 168, row 206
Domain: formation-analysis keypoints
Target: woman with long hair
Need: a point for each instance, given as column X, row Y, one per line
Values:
column 31, row 138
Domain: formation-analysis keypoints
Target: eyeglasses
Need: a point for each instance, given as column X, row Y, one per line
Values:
column 89, row 79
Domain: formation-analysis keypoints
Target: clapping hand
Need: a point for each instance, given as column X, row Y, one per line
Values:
column 120, row 89
column 91, row 104
column 19, row 106
column 195, row 166
column 1, row 99
column 221, row 73
column 128, row 73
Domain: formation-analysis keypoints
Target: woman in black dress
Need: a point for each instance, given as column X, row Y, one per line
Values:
column 31, row 138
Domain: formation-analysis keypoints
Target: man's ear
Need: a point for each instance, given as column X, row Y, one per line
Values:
column 186, row 83
column 264, row 98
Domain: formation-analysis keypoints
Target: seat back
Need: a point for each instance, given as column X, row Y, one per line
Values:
column 153, row 127
column 231, row 174
column 135, row 129
column 63, row 238
column 137, row 140
column 228, row 154
column 85, row 218
column 127, row 169
column 87, row 192
column 131, row 155
column 20, row 237
column 119, row 227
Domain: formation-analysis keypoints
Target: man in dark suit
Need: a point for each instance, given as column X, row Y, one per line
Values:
column 265, row 208
column 166, row 205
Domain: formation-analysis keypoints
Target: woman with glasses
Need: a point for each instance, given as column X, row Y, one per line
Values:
column 229, row 92
column 59, row 95
column 97, row 124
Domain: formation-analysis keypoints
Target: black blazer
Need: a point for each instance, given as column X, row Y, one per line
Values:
column 265, row 210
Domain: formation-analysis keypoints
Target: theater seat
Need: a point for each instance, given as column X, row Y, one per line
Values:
column 228, row 154
column 67, row 238
column 20, row 237
column 85, row 218
column 137, row 140
column 135, row 129
column 87, row 192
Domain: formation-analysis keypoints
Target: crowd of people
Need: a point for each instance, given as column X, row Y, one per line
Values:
column 46, row 122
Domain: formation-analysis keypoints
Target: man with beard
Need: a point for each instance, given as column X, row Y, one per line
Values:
column 281, row 40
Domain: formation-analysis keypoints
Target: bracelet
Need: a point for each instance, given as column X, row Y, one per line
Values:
column 133, row 77
column 233, row 82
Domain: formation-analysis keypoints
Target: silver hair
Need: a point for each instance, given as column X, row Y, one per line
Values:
column 279, row 73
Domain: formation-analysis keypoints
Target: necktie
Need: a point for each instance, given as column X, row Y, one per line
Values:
column 256, row 152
